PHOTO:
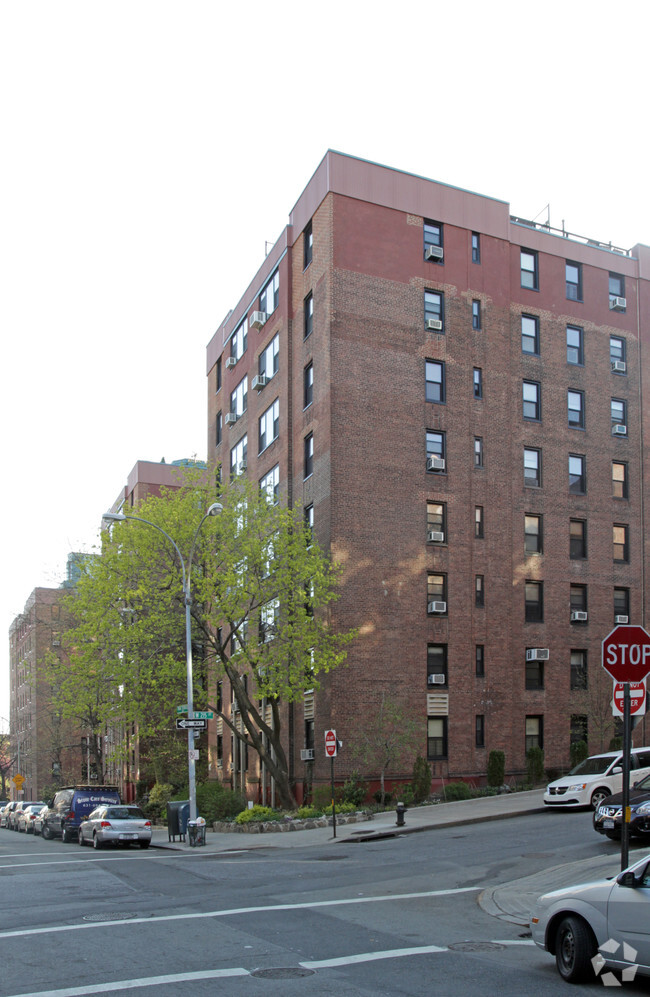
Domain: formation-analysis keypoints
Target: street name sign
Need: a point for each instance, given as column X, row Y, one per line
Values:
column 637, row 699
column 184, row 723
column 182, row 709
column 626, row 654
column 203, row 715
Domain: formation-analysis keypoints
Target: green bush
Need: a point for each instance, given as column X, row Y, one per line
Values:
column 578, row 752
column 159, row 796
column 407, row 796
column 354, row 790
column 257, row 813
column 457, row 791
column 387, row 797
column 341, row 808
column 322, row 796
column 302, row 813
column 214, row 801
column 496, row 770
column 535, row 765
column 421, row 785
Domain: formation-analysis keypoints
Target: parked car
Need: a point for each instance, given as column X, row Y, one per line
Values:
column 25, row 817
column 596, row 778
column 70, row 805
column 12, row 818
column 610, row 916
column 37, row 823
column 113, row 825
column 6, row 810
column 608, row 818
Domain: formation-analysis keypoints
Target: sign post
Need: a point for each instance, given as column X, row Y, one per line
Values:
column 331, row 748
column 626, row 656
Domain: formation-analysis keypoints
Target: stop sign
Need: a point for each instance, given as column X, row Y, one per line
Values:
column 330, row 743
column 626, row 654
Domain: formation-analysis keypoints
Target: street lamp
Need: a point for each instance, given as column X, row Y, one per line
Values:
column 215, row 508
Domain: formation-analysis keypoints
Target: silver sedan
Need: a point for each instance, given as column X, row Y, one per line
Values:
column 115, row 825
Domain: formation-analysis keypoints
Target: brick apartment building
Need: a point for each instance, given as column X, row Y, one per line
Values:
column 454, row 397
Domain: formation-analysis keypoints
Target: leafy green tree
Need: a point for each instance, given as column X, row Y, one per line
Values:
column 385, row 740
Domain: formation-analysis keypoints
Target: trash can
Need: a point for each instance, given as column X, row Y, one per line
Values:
column 178, row 812
column 196, row 832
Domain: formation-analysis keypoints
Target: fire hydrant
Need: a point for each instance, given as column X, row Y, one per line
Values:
column 400, row 810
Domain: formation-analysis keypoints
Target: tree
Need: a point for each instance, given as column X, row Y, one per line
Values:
column 261, row 589
column 385, row 739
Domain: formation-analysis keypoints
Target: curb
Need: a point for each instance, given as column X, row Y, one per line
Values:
column 376, row 835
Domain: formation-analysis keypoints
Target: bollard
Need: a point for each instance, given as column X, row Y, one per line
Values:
column 400, row 810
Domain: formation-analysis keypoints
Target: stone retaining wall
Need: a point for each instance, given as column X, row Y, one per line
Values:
column 289, row 824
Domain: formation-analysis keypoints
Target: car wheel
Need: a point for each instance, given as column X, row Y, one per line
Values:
column 574, row 947
column 66, row 836
column 598, row 796
column 46, row 834
column 144, row 844
column 96, row 842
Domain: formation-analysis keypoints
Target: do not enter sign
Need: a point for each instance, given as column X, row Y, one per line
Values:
column 637, row 699
column 331, row 744
column 626, row 654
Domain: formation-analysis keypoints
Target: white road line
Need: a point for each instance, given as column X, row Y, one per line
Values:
column 108, row 858
column 350, row 960
column 26, row 932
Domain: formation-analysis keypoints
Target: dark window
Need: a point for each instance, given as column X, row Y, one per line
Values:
column 573, row 281
column 533, row 536
column 308, row 310
column 575, row 345
column 617, row 354
column 619, row 417
column 530, row 334
column 617, row 302
column 579, row 730
column 434, row 317
column 532, row 394
column 478, row 382
column 534, row 674
column 436, row 738
column 578, row 670
column 218, row 375
column 478, row 451
column 577, row 539
column 619, row 479
column 309, row 455
column 436, row 592
column 479, row 590
column 532, row 468
column 534, row 732
column 476, row 247
column 307, row 245
column 621, row 605
column 578, row 603
column 219, row 429
column 577, row 474
column 436, row 522
column 270, row 296
column 479, row 730
column 436, row 664
column 479, row 522
column 620, row 539
column 433, row 241
column 534, row 593
column 434, row 381
column 476, row 314
column 529, row 269
column 576, row 409
column 308, row 385
column 436, row 460
column 479, row 660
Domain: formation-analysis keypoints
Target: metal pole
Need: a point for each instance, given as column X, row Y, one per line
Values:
column 625, row 823
column 191, row 764
column 333, row 803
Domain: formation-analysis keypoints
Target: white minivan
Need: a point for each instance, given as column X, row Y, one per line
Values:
column 597, row 777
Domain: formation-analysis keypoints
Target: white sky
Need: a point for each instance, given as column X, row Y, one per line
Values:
column 149, row 148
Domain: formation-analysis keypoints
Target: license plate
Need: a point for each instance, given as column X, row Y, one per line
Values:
column 128, row 837
column 608, row 823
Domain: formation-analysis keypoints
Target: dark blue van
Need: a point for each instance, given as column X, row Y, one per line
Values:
column 71, row 805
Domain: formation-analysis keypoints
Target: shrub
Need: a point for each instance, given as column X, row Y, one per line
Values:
column 354, row 790
column 341, row 808
column 496, row 771
column 322, row 796
column 214, row 801
column 407, row 796
column 457, row 791
column 159, row 796
column 421, row 785
column 257, row 813
column 387, row 797
column 578, row 752
column 535, row 765
column 302, row 813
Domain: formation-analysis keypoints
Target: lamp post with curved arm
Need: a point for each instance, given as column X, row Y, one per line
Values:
column 215, row 508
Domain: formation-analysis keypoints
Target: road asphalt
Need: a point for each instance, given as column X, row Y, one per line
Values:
column 511, row 901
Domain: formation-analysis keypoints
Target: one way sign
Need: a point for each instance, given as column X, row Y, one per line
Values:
column 183, row 723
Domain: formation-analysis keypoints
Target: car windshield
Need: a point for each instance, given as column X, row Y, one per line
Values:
column 125, row 813
column 592, row 766
column 643, row 783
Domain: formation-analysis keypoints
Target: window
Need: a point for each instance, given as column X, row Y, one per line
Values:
column 435, row 449
column 238, row 456
column 529, row 269
column 307, row 245
column 268, row 362
column 308, row 455
column 578, row 670
column 617, row 354
column 479, row 660
column 576, row 407
column 479, row 590
column 218, row 429
column 617, row 292
column 479, row 522
column 534, row 675
column 436, row 521
column 621, row 604
column 577, row 474
column 434, row 311
column 620, row 540
column 308, row 312
column 578, row 602
column 479, row 730
column 239, row 341
column 433, row 237
column 533, row 534
column 217, row 372
column 270, row 484
column 308, row 385
column 619, row 480
column 435, row 381
column 532, row 468
column 532, row 400
column 573, row 281
column 476, row 314
column 270, row 296
column 476, row 247
column 478, row 451
column 534, row 732
column 579, row 729
column 436, row 664
column 269, row 614
column 530, row 334
column 436, row 592
column 619, row 417
column 436, row 738
column 534, row 595
column 478, row 382
column 239, row 398
column 574, row 345
column 308, row 514
column 577, row 539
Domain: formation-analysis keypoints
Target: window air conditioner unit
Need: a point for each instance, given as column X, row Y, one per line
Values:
column 621, row 619
column 259, row 382
column 257, row 320
column 306, row 754
column 578, row 617
column 437, row 607
column 617, row 304
column 537, row 654
column 435, row 463
column 241, row 467
column 231, row 418
column 56, row 642
column 618, row 429
column 438, row 679
column 433, row 253
column 434, row 324
column 230, row 361
column 435, row 536
column 619, row 366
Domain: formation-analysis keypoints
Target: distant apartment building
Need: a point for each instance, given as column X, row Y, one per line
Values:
column 454, row 397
